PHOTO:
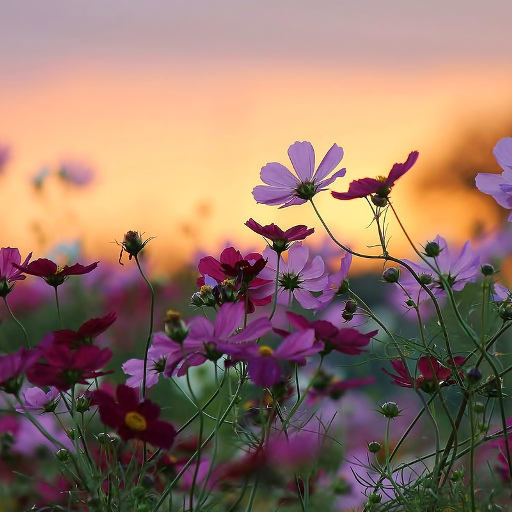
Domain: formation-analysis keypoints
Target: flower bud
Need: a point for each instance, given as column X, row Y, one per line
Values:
column 379, row 201
column 390, row 410
column 63, row 455
column 410, row 303
column 350, row 306
column 479, row 407
column 374, row 446
column 72, row 434
column 473, row 375
column 104, row 438
column 492, row 386
column 457, row 475
column 487, row 269
column 432, row 249
column 374, row 498
column 132, row 244
column 347, row 316
column 505, row 311
column 83, row 403
column 425, row 279
column 175, row 327
column 391, row 275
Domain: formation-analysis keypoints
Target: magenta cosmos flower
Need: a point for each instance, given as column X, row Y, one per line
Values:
column 52, row 273
column 9, row 273
column 430, row 371
column 13, row 368
column 345, row 340
column 285, row 189
column 380, row 186
column 278, row 239
column 298, row 277
column 133, row 419
column 263, row 361
column 499, row 186
column 208, row 340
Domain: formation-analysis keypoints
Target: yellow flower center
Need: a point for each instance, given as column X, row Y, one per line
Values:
column 382, row 179
column 265, row 351
column 59, row 269
column 135, row 421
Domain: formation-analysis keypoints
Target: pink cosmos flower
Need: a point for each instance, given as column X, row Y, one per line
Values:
column 263, row 361
column 457, row 270
column 381, row 186
column 157, row 357
column 297, row 277
column 133, row 419
column 286, row 189
column 208, row 340
column 13, row 368
column 499, row 185
column 52, row 273
column 337, row 283
column 280, row 239
column 345, row 340
column 8, row 272
column 36, row 400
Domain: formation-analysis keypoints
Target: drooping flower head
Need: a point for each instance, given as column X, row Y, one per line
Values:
column 8, row 272
column 278, row 239
column 380, row 186
column 298, row 276
column 285, row 189
column 52, row 273
column 499, row 186
column 133, row 419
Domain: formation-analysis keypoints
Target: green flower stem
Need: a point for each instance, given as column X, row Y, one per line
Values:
column 276, row 288
column 20, row 325
column 58, row 307
column 151, row 320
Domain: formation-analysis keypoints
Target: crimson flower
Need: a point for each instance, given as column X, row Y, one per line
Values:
column 346, row 340
column 380, row 186
column 63, row 368
column 431, row 371
column 280, row 239
column 86, row 332
column 133, row 419
column 8, row 273
column 236, row 276
column 52, row 273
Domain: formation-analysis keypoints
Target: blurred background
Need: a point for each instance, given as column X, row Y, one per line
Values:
column 158, row 116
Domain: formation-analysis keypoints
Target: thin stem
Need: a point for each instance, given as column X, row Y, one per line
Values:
column 20, row 325
column 58, row 307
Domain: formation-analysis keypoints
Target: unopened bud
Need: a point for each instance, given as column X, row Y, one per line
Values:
column 391, row 275
column 473, row 375
column 505, row 311
column 63, row 455
column 350, row 306
column 390, row 410
column 374, row 498
column 432, row 249
column 487, row 269
column 175, row 327
column 374, row 446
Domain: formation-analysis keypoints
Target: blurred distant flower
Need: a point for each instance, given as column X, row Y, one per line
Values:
column 499, row 185
column 9, row 273
column 297, row 277
column 325, row 385
column 39, row 179
column 133, row 419
column 280, row 239
column 5, row 155
column 286, row 189
column 76, row 173
column 52, row 273
column 381, row 186
column 456, row 270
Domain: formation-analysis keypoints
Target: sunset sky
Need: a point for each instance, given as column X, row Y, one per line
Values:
column 178, row 104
